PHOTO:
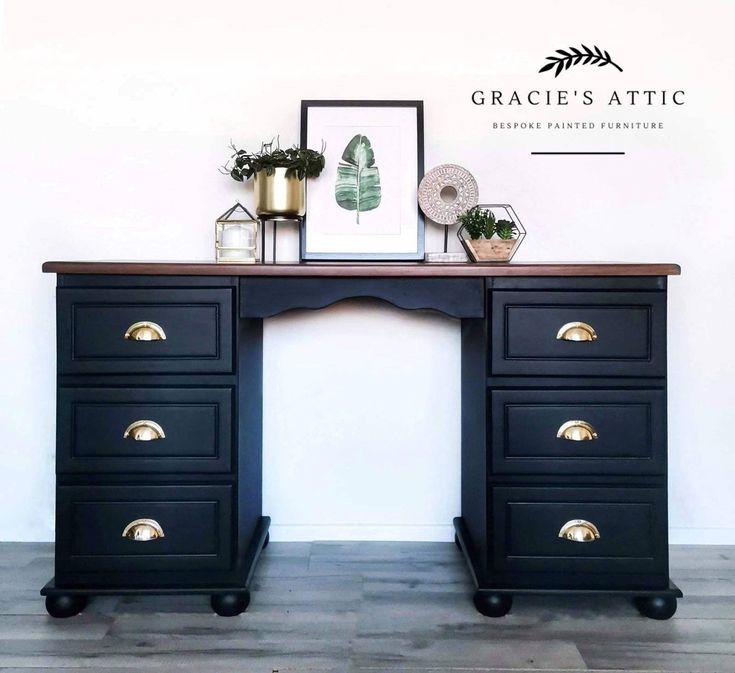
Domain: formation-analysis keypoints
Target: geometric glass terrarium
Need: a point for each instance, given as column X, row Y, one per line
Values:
column 492, row 233
column 236, row 237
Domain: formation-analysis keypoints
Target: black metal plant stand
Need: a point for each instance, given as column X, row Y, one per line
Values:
column 276, row 219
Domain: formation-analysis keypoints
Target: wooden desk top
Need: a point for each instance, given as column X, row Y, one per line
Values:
column 415, row 269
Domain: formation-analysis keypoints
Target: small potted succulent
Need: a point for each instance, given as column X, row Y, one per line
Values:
column 280, row 176
column 488, row 239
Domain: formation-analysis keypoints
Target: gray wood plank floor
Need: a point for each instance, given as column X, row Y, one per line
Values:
column 368, row 607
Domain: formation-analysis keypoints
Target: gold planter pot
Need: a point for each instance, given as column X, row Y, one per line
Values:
column 279, row 195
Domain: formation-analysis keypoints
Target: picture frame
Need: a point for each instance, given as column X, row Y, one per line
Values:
column 364, row 206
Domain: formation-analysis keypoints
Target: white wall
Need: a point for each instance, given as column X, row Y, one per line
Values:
column 115, row 116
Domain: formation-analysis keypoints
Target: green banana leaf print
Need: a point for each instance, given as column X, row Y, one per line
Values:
column 358, row 181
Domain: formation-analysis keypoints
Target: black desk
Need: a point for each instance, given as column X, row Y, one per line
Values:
column 159, row 423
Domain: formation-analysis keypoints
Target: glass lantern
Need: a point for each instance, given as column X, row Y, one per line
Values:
column 236, row 237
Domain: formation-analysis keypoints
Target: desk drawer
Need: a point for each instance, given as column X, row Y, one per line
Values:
column 628, row 430
column 631, row 524
column 534, row 333
column 128, row 331
column 196, row 522
column 179, row 430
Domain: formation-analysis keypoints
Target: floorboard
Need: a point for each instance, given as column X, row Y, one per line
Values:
column 368, row 607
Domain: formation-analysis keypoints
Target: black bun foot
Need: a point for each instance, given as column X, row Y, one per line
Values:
column 493, row 605
column 230, row 604
column 267, row 540
column 456, row 541
column 65, row 605
column 656, row 607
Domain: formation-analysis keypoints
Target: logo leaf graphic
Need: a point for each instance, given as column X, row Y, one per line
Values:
column 358, row 181
column 575, row 56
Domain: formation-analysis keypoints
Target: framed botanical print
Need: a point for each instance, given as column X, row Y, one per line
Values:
column 364, row 204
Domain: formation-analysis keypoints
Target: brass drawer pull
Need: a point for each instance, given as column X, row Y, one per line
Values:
column 145, row 331
column 144, row 431
column 143, row 530
column 579, row 530
column 576, row 331
column 577, row 431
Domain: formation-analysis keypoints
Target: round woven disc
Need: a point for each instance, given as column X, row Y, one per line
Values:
column 439, row 178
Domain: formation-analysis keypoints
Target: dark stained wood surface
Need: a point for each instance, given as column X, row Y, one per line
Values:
column 418, row 269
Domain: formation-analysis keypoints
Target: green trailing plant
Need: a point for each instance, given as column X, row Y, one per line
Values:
column 505, row 229
column 298, row 162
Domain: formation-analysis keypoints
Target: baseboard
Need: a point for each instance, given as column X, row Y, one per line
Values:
column 376, row 532
column 705, row 536
column 442, row 533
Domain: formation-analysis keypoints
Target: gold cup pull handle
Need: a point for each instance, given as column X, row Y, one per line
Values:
column 576, row 431
column 576, row 331
column 145, row 331
column 579, row 530
column 143, row 530
column 144, row 431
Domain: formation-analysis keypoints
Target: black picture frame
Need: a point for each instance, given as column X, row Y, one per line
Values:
column 418, row 254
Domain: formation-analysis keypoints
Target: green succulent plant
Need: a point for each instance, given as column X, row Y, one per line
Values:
column 299, row 162
column 481, row 223
column 505, row 229
column 478, row 222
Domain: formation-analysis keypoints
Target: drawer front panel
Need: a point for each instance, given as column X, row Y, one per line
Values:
column 630, row 329
column 196, row 424
column 196, row 522
column 197, row 324
column 631, row 524
column 628, row 426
